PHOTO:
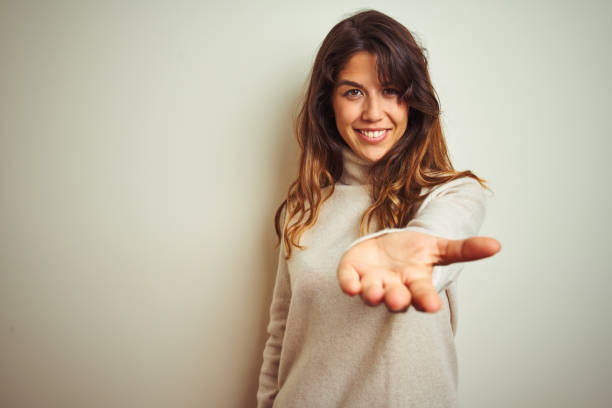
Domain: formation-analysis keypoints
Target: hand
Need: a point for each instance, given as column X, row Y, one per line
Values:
column 397, row 267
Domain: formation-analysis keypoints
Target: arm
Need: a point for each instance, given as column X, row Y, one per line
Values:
column 268, row 376
column 454, row 210
column 397, row 265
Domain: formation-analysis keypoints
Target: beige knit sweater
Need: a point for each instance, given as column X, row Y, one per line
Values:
column 326, row 349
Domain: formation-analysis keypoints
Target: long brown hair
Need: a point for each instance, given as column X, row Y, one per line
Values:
column 419, row 159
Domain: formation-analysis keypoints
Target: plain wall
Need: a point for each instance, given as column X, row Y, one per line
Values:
column 144, row 147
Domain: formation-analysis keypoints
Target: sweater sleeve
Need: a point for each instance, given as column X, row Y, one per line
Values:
column 268, row 376
column 454, row 210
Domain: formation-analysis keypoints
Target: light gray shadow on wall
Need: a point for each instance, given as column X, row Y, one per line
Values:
column 285, row 157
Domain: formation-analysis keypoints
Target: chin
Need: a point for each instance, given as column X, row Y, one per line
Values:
column 373, row 156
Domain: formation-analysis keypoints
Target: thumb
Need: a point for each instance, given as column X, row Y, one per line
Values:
column 469, row 249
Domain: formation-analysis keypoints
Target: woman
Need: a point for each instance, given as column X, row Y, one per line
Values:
column 373, row 164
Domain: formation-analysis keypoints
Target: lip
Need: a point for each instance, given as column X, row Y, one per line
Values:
column 372, row 141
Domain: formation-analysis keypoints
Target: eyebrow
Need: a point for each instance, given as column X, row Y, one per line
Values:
column 349, row 83
column 355, row 84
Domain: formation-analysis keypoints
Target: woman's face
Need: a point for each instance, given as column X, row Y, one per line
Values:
column 369, row 115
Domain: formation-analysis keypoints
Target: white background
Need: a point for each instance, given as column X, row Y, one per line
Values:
column 144, row 147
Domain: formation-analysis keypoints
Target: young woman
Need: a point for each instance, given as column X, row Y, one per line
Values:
column 376, row 210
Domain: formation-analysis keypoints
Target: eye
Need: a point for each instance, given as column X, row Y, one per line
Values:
column 353, row 93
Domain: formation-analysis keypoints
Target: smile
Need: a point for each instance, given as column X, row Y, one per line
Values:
column 371, row 135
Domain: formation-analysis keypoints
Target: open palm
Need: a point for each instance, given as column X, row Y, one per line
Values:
column 397, row 267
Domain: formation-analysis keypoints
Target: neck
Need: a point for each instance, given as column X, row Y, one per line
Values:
column 355, row 170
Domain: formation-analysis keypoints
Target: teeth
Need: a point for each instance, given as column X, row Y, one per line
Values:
column 373, row 134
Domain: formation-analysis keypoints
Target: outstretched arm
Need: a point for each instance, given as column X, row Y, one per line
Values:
column 396, row 268
column 454, row 210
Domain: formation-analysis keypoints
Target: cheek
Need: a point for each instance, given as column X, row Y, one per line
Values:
column 400, row 117
column 344, row 112
column 349, row 115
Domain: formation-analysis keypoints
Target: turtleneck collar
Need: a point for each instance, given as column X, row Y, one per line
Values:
column 355, row 168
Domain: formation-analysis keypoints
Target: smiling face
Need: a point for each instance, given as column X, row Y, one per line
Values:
column 369, row 115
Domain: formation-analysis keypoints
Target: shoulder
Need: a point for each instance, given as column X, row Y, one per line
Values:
column 466, row 187
column 462, row 197
column 454, row 209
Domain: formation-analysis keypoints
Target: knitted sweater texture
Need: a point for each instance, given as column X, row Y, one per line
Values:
column 326, row 349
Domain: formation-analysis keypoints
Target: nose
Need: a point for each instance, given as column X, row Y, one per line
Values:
column 372, row 110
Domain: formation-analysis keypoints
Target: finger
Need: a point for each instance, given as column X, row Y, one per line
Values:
column 424, row 295
column 349, row 279
column 372, row 289
column 397, row 297
column 464, row 250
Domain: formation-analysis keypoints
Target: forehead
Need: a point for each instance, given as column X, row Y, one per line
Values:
column 365, row 68
column 362, row 66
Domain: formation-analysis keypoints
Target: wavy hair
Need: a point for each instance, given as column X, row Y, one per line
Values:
column 401, row 179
